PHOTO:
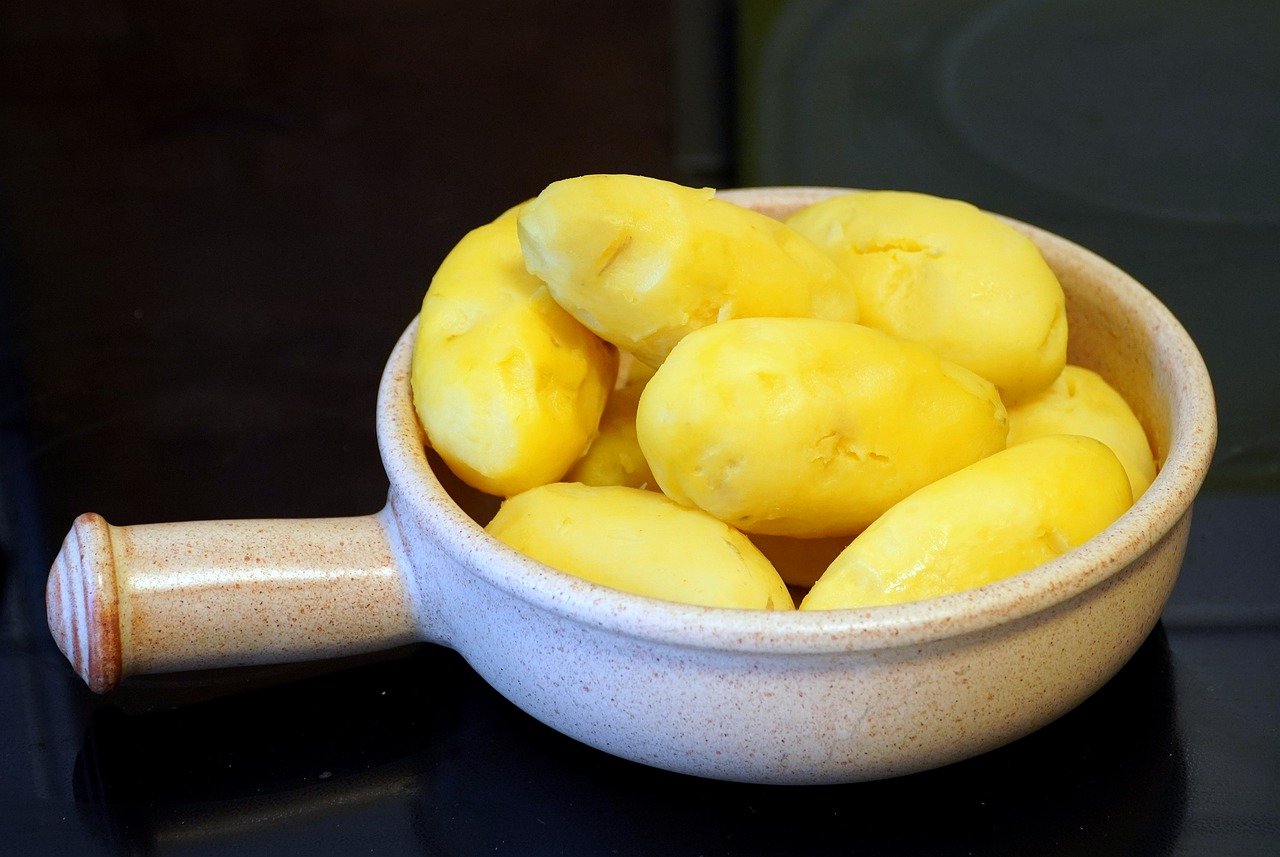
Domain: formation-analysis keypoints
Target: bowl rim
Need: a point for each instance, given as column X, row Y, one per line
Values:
column 1193, row 432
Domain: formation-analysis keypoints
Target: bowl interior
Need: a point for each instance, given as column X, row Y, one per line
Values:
column 1116, row 328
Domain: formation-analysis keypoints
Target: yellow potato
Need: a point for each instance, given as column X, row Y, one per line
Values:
column 641, row 542
column 643, row 262
column 802, row 427
column 800, row 562
column 943, row 273
column 1006, row 514
column 508, row 386
column 1080, row 402
column 614, row 457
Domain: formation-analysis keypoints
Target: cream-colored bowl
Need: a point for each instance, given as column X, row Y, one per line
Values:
column 754, row 696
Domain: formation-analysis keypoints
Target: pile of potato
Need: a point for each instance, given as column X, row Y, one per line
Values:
column 870, row 399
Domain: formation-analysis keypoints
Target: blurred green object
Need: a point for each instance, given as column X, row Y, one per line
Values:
column 756, row 19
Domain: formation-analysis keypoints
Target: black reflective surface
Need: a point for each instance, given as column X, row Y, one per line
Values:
column 215, row 224
column 467, row 773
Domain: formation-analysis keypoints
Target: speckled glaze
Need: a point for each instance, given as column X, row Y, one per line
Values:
column 818, row 697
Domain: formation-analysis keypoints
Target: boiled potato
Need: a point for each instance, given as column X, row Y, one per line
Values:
column 614, row 457
column 508, row 386
column 1080, row 402
column 943, row 273
column 1003, row 515
column 643, row 262
column 641, row 542
column 802, row 427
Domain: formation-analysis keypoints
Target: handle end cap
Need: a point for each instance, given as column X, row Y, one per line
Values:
column 83, row 606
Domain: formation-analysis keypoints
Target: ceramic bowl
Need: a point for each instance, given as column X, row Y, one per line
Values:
column 760, row 697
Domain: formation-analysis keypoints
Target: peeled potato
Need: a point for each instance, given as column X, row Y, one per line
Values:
column 643, row 262
column 1080, row 402
column 641, row 542
column 1003, row 515
column 801, row 427
column 508, row 386
column 943, row 273
column 614, row 457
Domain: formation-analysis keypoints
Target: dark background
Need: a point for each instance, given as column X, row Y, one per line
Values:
column 215, row 219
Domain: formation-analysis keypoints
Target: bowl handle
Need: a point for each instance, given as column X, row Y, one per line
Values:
column 165, row 597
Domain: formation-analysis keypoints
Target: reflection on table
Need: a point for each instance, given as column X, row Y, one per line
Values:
column 443, row 763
